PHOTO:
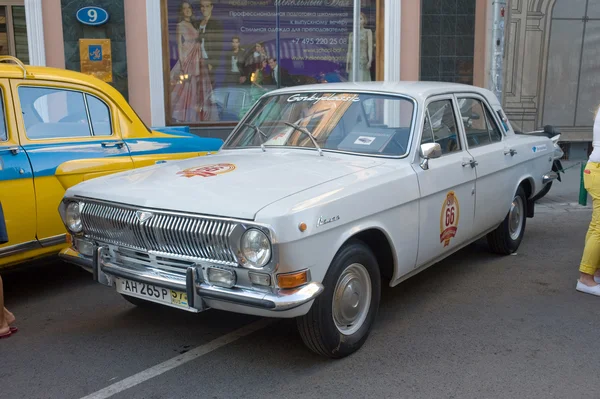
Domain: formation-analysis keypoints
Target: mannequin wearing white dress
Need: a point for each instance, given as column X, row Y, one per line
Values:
column 366, row 52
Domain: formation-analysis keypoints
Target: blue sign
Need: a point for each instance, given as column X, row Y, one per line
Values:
column 92, row 16
column 95, row 52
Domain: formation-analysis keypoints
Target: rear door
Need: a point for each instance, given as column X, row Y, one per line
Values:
column 71, row 133
column 495, row 168
column 17, row 194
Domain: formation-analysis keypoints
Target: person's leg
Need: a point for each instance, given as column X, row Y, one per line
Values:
column 4, row 328
column 590, row 259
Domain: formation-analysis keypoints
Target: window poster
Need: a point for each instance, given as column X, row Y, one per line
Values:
column 224, row 54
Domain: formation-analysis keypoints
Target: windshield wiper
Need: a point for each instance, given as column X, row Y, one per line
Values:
column 309, row 134
column 261, row 133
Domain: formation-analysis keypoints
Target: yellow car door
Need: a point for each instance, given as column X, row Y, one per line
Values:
column 17, row 193
column 71, row 133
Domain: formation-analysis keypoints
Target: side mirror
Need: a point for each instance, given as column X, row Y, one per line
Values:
column 429, row 151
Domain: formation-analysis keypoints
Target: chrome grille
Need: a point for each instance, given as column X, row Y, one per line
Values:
column 171, row 234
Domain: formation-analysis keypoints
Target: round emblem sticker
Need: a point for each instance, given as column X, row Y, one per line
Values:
column 208, row 170
column 449, row 218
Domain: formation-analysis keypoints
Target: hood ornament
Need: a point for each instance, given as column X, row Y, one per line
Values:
column 144, row 216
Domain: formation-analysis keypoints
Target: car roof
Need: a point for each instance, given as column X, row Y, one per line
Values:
column 11, row 71
column 420, row 90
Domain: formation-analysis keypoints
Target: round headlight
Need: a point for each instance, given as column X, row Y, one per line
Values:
column 73, row 217
column 256, row 247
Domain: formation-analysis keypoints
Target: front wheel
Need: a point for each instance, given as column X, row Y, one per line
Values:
column 340, row 319
column 507, row 237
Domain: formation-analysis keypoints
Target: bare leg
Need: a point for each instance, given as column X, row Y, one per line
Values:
column 3, row 322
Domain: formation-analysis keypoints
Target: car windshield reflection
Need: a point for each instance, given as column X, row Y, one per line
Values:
column 362, row 123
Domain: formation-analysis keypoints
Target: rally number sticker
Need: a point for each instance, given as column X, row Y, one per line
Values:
column 208, row 170
column 449, row 218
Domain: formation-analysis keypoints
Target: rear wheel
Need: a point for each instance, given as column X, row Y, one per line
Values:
column 340, row 319
column 508, row 235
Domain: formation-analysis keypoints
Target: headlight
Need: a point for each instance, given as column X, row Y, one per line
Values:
column 256, row 248
column 73, row 217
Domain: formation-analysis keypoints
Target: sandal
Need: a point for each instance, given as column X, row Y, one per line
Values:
column 14, row 330
column 6, row 334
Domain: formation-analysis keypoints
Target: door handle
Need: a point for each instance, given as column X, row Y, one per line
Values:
column 471, row 163
column 13, row 150
column 107, row 144
column 511, row 151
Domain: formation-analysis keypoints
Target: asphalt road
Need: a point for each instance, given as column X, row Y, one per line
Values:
column 473, row 326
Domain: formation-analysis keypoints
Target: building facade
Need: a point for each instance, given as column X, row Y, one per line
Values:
column 202, row 63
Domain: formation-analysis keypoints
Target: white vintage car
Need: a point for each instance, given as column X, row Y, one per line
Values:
column 319, row 196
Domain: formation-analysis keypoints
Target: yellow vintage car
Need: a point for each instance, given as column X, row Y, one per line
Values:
column 59, row 128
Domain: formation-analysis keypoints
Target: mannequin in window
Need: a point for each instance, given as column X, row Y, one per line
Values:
column 366, row 52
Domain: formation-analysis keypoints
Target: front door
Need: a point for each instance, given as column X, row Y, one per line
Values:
column 17, row 194
column 70, row 134
column 447, row 187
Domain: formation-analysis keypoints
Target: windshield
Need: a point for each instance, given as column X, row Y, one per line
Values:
column 341, row 121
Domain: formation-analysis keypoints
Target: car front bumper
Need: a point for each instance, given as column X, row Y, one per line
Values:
column 201, row 295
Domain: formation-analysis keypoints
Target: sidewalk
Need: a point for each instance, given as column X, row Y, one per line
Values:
column 564, row 195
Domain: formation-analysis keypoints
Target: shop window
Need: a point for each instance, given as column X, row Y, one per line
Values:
column 13, row 32
column 223, row 56
column 447, row 40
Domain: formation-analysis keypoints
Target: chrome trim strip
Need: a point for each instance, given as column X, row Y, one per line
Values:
column 51, row 241
column 15, row 249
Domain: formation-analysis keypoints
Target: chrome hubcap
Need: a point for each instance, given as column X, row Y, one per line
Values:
column 351, row 299
column 515, row 217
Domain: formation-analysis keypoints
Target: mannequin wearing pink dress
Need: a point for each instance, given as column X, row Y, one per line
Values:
column 190, row 83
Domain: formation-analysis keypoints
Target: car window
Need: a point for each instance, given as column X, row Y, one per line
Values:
column 479, row 124
column 3, row 131
column 495, row 134
column 99, row 116
column 440, row 126
column 50, row 113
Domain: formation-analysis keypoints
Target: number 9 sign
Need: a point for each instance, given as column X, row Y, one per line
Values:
column 449, row 218
column 93, row 16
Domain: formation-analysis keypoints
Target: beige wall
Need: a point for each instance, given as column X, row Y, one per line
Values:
column 479, row 73
column 53, row 34
column 137, row 58
column 410, row 40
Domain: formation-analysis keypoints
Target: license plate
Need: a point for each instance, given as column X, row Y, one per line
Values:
column 153, row 293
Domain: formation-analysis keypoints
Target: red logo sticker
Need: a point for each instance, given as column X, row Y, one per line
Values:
column 587, row 171
column 449, row 218
column 208, row 170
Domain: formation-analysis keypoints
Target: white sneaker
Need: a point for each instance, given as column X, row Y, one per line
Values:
column 595, row 290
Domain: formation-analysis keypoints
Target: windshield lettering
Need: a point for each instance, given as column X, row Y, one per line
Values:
column 314, row 98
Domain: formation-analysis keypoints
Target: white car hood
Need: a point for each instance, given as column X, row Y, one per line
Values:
column 255, row 180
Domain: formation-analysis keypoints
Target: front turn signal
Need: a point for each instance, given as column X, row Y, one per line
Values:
column 292, row 280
